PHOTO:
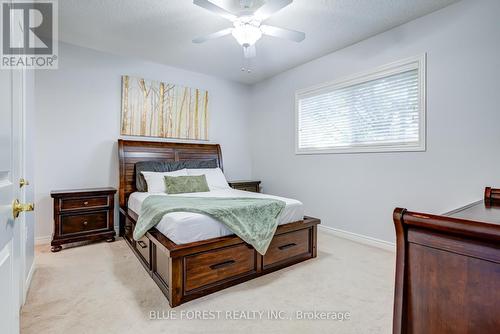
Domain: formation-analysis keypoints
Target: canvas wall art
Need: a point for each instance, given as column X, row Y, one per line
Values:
column 159, row 109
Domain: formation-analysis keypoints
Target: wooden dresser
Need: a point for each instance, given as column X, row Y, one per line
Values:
column 448, row 270
column 253, row 186
column 83, row 215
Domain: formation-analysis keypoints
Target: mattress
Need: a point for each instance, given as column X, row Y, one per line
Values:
column 186, row 227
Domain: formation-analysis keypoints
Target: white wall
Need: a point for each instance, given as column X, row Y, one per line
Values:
column 78, row 115
column 357, row 192
column 78, row 106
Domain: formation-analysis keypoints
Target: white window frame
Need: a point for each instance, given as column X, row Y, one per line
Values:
column 417, row 62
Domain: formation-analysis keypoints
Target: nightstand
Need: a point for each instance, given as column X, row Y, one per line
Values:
column 253, row 186
column 83, row 215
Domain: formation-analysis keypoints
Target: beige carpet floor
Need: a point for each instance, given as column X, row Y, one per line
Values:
column 102, row 288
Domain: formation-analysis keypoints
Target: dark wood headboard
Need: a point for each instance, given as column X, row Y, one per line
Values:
column 132, row 151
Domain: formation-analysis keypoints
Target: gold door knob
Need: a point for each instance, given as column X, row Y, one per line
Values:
column 17, row 208
column 23, row 182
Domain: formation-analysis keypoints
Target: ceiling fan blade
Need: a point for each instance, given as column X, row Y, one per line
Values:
column 214, row 35
column 271, row 7
column 293, row 35
column 215, row 9
column 249, row 51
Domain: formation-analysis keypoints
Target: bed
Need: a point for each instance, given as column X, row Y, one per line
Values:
column 190, row 255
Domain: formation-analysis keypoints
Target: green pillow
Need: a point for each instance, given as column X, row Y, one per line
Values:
column 186, row 184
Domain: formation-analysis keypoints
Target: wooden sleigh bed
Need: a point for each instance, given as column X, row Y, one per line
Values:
column 185, row 272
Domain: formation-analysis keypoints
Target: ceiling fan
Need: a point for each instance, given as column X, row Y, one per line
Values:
column 247, row 26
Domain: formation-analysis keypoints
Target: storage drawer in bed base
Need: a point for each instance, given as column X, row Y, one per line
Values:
column 189, row 271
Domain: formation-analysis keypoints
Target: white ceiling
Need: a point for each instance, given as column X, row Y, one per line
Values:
column 162, row 30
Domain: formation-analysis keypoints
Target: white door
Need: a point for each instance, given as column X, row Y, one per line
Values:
column 9, row 230
column 12, row 105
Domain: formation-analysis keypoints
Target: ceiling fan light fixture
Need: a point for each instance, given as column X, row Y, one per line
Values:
column 247, row 24
column 246, row 33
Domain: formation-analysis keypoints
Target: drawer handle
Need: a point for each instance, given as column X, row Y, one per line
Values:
column 287, row 246
column 222, row 264
column 85, row 223
column 142, row 244
column 85, row 203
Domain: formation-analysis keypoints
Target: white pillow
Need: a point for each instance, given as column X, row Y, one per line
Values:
column 156, row 180
column 215, row 177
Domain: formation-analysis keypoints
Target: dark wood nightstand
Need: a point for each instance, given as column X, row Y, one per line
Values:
column 253, row 186
column 83, row 215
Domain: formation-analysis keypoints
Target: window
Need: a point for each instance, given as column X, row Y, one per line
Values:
column 381, row 111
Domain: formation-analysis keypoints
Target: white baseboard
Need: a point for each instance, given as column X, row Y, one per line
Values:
column 362, row 239
column 43, row 240
column 27, row 284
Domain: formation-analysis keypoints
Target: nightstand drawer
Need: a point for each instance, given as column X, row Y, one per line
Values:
column 254, row 189
column 253, row 186
column 84, row 203
column 81, row 223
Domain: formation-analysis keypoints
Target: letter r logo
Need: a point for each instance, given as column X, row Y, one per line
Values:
column 27, row 28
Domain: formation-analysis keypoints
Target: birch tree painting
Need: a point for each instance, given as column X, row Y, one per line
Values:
column 158, row 109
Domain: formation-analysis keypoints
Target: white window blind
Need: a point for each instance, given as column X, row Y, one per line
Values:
column 379, row 111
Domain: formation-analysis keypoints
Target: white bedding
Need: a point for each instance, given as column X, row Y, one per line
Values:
column 185, row 227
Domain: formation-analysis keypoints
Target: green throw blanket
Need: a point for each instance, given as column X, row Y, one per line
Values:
column 252, row 219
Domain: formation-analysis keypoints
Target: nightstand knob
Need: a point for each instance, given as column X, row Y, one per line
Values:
column 85, row 203
column 85, row 223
